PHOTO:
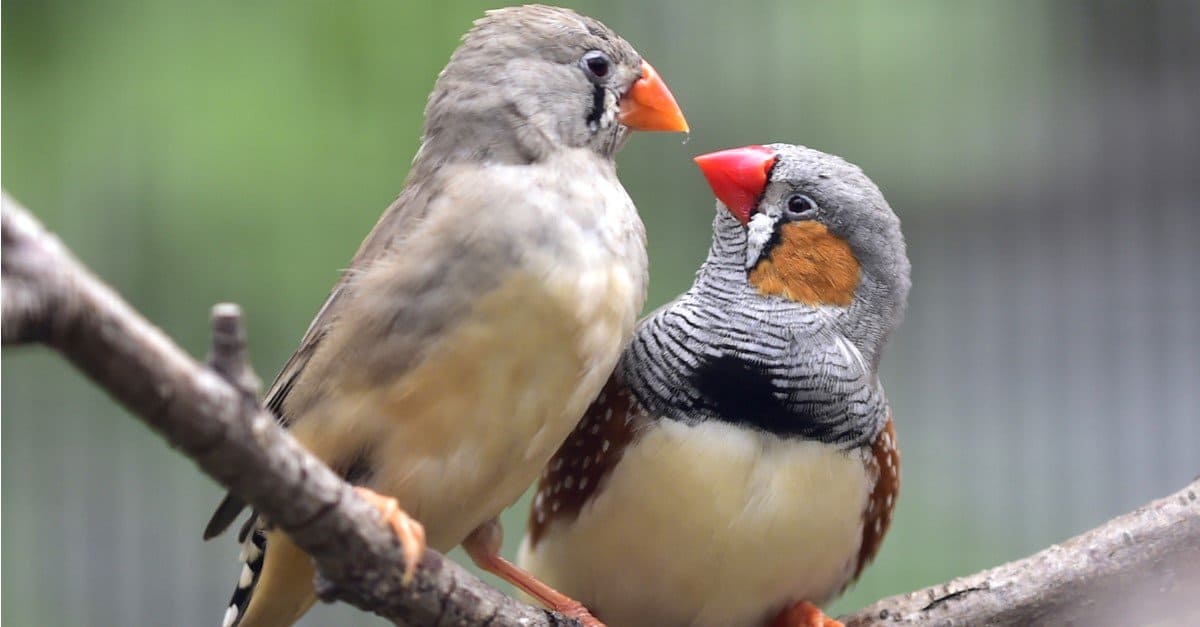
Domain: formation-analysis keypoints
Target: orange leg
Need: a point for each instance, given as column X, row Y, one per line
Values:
column 483, row 545
column 410, row 532
column 804, row 614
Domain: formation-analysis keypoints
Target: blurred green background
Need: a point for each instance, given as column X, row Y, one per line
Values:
column 1042, row 155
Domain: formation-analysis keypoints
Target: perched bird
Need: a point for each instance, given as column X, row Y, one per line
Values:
column 740, row 465
column 485, row 309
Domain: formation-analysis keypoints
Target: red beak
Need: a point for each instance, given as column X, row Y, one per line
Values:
column 738, row 176
column 649, row 105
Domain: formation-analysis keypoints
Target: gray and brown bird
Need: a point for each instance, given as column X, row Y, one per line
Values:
column 740, row 466
column 485, row 309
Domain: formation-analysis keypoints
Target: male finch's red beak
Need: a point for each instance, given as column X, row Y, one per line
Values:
column 738, row 176
column 649, row 105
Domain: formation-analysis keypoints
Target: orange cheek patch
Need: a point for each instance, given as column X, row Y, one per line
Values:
column 809, row 265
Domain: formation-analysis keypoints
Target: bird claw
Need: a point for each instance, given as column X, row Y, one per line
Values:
column 483, row 547
column 576, row 610
column 410, row 532
column 804, row 614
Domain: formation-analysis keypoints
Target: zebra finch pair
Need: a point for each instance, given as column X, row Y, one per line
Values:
column 485, row 312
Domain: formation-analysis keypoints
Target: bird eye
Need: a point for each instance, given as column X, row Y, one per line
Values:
column 596, row 63
column 801, row 207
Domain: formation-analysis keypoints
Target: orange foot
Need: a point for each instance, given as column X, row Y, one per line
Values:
column 804, row 614
column 410, row 532
column 483, row 545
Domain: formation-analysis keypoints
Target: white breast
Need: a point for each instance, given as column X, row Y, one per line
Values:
column 710, row 526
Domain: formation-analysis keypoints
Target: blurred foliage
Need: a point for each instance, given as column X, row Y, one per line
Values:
column 193, row 153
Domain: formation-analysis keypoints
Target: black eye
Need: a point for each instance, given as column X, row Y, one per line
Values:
column 801, row 207
column 596, row 63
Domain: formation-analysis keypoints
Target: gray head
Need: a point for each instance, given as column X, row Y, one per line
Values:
column 530, row 80
column 810, row 227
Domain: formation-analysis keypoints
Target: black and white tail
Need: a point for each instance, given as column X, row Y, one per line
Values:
column 254, row 548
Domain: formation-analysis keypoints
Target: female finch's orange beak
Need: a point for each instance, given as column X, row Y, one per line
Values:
column 738, row 177
column 649, row 105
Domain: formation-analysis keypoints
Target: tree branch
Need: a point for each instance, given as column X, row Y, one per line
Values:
column 1139, row 567
column 49, row 297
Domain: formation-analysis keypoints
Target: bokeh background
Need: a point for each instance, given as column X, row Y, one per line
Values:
column 1043, row 156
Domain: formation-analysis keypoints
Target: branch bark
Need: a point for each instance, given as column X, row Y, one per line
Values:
column 1139, row 567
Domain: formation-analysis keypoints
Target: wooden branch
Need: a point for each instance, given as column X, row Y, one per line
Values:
column 1138, row 568
column 49, row 297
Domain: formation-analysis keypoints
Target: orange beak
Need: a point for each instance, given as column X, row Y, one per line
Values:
column 649, row 105
column 738, row 177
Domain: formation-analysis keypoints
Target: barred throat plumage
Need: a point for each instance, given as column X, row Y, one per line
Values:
column 724, row 351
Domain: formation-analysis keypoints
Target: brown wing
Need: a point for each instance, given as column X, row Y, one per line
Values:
column 391, row 228
column 577, row 471
column 388, row 231
column 884, row 466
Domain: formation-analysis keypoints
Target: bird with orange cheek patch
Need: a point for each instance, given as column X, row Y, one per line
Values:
column 740, row 466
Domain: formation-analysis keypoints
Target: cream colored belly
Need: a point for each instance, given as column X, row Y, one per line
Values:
column 471, row 427
column 710, row 525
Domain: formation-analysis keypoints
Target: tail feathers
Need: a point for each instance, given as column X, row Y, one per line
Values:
column 253, row 550
column 226, row 513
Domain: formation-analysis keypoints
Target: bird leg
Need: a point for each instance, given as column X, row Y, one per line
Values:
column 804, row 614
column 483, row 545
column 410, row 532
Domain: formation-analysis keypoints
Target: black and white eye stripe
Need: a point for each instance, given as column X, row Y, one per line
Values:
column 604, row 109
column 597, row 66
